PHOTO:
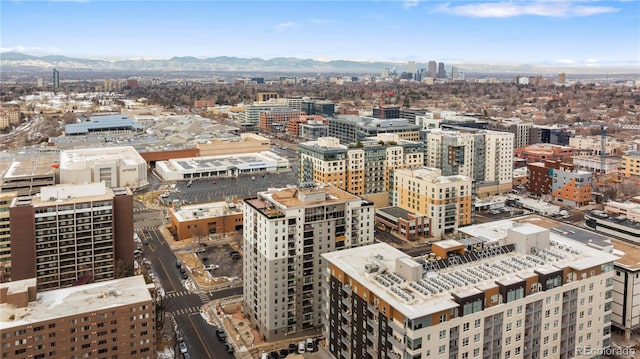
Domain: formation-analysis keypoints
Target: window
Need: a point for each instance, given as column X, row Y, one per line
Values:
column 465, row 341
column 442, row 349
column 443, row 334
column 465, row 327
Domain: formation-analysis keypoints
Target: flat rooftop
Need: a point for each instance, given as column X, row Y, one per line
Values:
column 205, row 210
column 223, row 162
column 618, row 219
column 32, row 164
column 629, row 254
column 79, row 158
column 74, row 300
column 497, row 230
column 435, row 289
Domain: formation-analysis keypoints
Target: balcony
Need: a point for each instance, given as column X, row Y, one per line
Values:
column 396, row 343
column 396, row 327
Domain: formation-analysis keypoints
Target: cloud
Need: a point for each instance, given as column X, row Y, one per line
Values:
column 285, row 25
column 32, row 50
column 501, row 9
column 565, row 61
column 408, row 4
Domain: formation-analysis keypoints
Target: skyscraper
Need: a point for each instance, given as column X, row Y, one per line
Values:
column 432, row 69
column 411, row 68
column 442, row 74
column 56, row 79
column 454, row 73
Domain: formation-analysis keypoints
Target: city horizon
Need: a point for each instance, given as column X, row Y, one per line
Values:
column 568, row 34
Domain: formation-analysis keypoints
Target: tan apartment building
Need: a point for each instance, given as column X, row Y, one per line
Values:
column 630, row 166
column 533, row 294
column 202, row 219
column 113, row 319
column 362, row 168
column 446, row 201
column 71, row 234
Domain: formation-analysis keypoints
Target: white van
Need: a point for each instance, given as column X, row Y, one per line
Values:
column 301, row 347
column 264, row 356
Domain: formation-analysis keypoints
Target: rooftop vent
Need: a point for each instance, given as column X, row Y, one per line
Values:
column 371, row 268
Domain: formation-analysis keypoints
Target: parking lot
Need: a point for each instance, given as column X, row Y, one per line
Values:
column 219, row 189
column 210, row 263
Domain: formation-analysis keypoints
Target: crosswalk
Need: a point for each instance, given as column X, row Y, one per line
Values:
column 176, row 294
column 183, row 311
column 204, row 297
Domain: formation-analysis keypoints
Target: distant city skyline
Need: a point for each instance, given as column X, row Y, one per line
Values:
column 569, row 33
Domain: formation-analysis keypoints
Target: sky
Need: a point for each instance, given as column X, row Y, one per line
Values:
column 547, row 32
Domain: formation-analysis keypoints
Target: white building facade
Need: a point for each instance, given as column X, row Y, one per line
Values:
column 285, row 232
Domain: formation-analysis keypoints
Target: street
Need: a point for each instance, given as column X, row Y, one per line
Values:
column 199, row 336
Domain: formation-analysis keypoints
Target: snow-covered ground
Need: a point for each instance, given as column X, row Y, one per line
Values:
column 167, row 353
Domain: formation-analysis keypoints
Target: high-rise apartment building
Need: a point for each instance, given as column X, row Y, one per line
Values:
column 520, row 129
column 285, row 232
column 72, row 234
column 447, row 201
column 113, row 319
column 56, row 79
column 485, row 156
column 359, row 169
column 5, row 235
column 534, row 294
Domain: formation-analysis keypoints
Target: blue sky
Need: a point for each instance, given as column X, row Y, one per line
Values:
column 565, row 32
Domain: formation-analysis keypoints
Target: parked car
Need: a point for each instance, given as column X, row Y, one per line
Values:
column 284, row 353
column 309, row 345
column 178, row 263
column 221, row 334
column 293, row 348
column 185, row 275
column 229, row 347
column 183, row 347
column 301, row 347
column 274, row 355
column 235, row 255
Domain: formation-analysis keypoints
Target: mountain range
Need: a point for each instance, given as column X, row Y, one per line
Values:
column 22, row 62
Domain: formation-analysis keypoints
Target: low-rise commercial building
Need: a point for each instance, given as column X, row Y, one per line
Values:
column 221, row 166
column 28, row 172
column 202, row 219
column 115, row 166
